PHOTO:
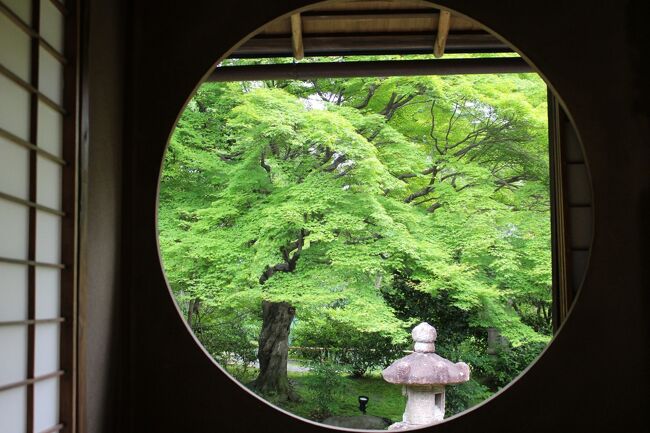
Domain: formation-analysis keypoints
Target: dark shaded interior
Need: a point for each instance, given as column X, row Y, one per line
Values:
column 140, row 369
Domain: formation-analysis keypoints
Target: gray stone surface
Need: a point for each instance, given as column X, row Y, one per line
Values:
column 424, row 376
column 367, row 422
column 400, row 426
column 424, row 336
column 421, row 407
column 426, row 369
column 424, row 333
column 423, row 367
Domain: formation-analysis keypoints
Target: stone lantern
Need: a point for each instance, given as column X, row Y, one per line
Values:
column 424, row 376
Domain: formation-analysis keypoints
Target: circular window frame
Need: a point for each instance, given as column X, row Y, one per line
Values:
column 456, row 416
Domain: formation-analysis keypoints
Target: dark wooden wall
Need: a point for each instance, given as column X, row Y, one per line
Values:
column 593, row 376
column 572, row 210
column 101, row 316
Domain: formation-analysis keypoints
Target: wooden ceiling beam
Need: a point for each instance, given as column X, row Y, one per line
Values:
column 370, row 15
column 373, row 5
column 305, row 71
column 296, row 37
column 443, row 31
column 338, row 45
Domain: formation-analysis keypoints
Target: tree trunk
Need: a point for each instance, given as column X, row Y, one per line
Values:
column 192, row 310
column 274, row 349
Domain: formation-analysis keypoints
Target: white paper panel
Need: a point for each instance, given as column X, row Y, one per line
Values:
column 48, row 237
column 14, row 224
column 48, row 188
column 46, row 404
column 48, row 284
column 52, row 25
column 22, row 8
column 50, row 129
column 15, row 48
column 46, row 348
column 13, row 410
column 14, row 108
column 14, row 169
column 50, row 80
column 13, row 362
column 13, row 292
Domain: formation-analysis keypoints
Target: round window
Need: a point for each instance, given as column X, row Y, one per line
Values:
column 355, row 214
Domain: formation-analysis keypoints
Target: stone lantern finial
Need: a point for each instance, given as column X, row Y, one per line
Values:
column 424, row 336
column 424, row 375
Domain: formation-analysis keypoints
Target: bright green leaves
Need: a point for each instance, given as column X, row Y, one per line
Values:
column 438, row 183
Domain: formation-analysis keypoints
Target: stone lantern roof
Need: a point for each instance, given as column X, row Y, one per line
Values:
column 423, row 366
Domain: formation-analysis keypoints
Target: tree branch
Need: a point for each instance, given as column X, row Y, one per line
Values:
column 371, row 92
column 508, row 182
column 431, row 170
column 263, row 163
column 339, row 96
column 432, row 131
column 406, row 176
column 289, row 264
column 230, row 157
column 426, row 200
column 424, row 191
column 450, row 124
column 395, row 103
column 465, row 186
column 344, row 172
column 327, row 155
column 337, row 161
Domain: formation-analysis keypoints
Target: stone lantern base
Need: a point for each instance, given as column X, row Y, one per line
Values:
column 398, row 426
column 425, row 406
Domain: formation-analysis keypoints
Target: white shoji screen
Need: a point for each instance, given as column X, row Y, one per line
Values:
column 38, row 154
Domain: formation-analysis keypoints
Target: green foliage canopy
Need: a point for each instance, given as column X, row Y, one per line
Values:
column 337, row 195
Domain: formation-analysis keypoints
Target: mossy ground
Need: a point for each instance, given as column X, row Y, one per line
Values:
column 385, row 399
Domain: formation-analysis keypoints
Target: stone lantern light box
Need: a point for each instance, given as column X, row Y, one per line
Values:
column 424, row 376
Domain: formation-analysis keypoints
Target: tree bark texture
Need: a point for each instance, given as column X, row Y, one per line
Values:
column 273, row 350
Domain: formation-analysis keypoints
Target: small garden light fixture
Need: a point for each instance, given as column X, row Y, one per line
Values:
column 363, row 402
